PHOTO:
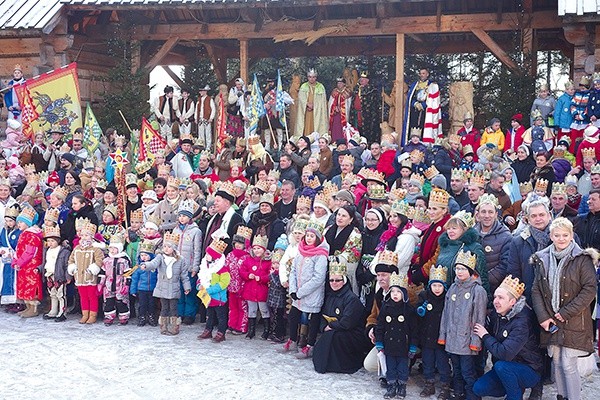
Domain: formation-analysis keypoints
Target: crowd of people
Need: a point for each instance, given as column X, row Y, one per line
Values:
column 353, row 252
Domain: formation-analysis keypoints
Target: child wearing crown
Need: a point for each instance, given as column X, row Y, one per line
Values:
column 9, row 237
column 238, row 307
column 213, row 280
column 396, row 336
column 111, row 225
column 56, row 260
column 465, row 306
column 143, row 283
column 255, row 272
column 167, row 208
column 84, row 267
column 277, row 298
column 172, row 276
column 113, row 283
column 429, row 308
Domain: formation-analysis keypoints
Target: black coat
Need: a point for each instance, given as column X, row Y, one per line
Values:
column 523, row 169
column 513, row 338
column 67, row 229
column 269, row 223
column 588, row 230
column 429, row 324
column 496, row 245
column 344, row 347
column 396, row 328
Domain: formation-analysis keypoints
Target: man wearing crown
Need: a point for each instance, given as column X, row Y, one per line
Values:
column 223, row 225
column 366, row 109
column 11, row 100
column 312, row 115
column 422, row 114
column 511, row 339
column 340, row 102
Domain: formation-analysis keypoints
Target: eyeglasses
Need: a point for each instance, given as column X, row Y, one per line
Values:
column 336, row 280
column 371, row 219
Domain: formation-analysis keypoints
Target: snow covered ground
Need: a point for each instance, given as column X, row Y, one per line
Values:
column 72, row 361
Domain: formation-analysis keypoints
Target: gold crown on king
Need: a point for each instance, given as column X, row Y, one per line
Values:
column 541, row 185
column 399, row 280
column 439, row 198
column 260, row 240
column 347, row 159
column 513, row 286
column 431, row 172
column 236, row 162
column 377, row 192
column 146, row 246
column 304, row 201
column 459, row 174
column 488, row 198
column 401, row 207
column 51, row 215
column 244, row 232
column 51, row 231
column 595, row 169
column 465, row 217
column 101, row 184
column 173, row 182
column 559, row 188
column 172, row 238
column 337, row 268
column 588, row 152
column 418, row 177
column 438, row 273
column 525, row 188
column 477, row 180
column 388, row 257
column 14, row 211
column 29, row 168
column 315, row 225
column 467, row 259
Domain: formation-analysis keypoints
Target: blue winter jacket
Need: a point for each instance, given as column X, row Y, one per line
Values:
column 143, row 280
column 562, row 112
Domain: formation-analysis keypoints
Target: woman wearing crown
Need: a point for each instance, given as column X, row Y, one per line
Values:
column 9, row 236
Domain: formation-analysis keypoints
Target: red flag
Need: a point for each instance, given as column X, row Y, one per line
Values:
column 150, row 141
column 28, row 111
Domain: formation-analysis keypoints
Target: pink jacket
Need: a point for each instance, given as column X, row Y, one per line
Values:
column 255, row 290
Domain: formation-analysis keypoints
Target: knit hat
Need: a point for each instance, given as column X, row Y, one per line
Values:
column 28, row 216
column 53, row 178
column 378, row 213
column 281, row 243
column 69, row 157
column 439, row 181
column 345, row 195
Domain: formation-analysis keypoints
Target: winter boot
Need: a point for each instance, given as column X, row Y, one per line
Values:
column 85, row 314
column 152, row 320
column 53, row 309
column 124, row 318
column 219, row 337
column 267, row 331
column 305, row 352
column 24, row 310
column 429, row 388
column 60, row 318
column 141, row 321
column 30, row 311
column 109, row 318
column 383, row 382
column 401, row 390
column 303, row 336
column 536, row 392
column 290, row 345
column 174, row 323
column 251, row 328
column 162, row 321
column 92, row 318
column 206, row 334
column 391, row 391
column 444, row 392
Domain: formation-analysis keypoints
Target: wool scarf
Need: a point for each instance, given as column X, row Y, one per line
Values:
column 558, row 260
column 337, row 241
column 312, row 250
column 542, row 238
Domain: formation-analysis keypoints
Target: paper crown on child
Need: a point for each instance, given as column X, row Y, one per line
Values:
column 117, row 241
column 406, row 163
column 439, row 198
column 80, row 222
column 87, row 228
column 417, row 155
column 303, row 201
column 13, row 212
column 438, row 274
column 164, row 169
column 316, row 227
column 51, row 215
column 488, row 198
column 398, row 280
column 525, row 188
column 146, row 246
column 300, row 225
column 541, row 185
column 431, row 172
column 571, row 180
column 188, row 208
column 61, row 192
column 478, row 180
column 595, row 169
column 52, row 232
column 172, row 239
column 458, row 173
column 465, row 217
column 244, row 232
column 513, row 286
column 467, row 259
column 397, row 194
column 28, row 215
column 276, row 256
column 337, row 268
column 559, row 188
column 260, row 241
column 468, row 149
column 377, row 192
column 130, row 180
column 112, row 209
column 417, row 178
column 29, row 169
column 401, row 207
column 153, row 222
column 137, row 215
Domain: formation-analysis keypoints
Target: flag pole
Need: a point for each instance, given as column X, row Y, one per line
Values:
column 124, row 120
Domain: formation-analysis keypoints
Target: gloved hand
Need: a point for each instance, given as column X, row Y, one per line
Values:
column 294, row 296
column 412, row 352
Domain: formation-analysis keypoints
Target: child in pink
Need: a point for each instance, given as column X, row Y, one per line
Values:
column 238, row 308
column 255, row 272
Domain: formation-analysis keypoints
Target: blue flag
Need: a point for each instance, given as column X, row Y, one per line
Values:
column 257, row 107
column 279, row 103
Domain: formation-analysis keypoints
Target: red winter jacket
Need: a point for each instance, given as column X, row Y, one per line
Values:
column 386, row 163
column 255, row 290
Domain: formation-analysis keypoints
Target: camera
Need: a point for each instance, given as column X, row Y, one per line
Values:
column 552, row 328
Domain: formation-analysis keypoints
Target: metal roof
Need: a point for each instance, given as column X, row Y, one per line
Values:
column 28, row 14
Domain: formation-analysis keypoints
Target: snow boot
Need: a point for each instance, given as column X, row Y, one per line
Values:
column 53, row 309
column 26, row 308
column 536, row 392
column 251, row 328
column 391, row 391
column 60, row 318
column 162, row 321
column 219, row 337
column 174, row 322
column 383, row 383
column 30, row 311
column 109, row 318
column 85, row 314
column 206, row 334
column 401, row 390
column 267, row 331
column 152, row 320
column 290, row 345
column 124, row 318
column 141, row 321
column 444, row 392
column 429, row 388
column 92, row 318
column 305, row 352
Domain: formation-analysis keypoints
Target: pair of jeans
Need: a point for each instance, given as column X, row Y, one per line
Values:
column 506, row 378
column 436, row 358
column 465, row 375
column 146, row 303
column 397, row 369
column 168, row 307
column 297, row 317
column 217, row 316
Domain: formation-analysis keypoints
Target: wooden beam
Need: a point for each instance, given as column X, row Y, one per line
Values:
column 438, row 15
column 162, row 52
column 173, row 76
column 495, row 48
column 399, row 101
column 218, row 61
column 530, row 50
column 244, row 59
column 499, row 13
column 318, row 19
column 380, row 9
column 416, row 38
column 354, row 27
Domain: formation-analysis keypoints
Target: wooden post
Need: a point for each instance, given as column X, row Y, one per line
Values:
column 399, row 84
column 530, row 50
column 244, row 60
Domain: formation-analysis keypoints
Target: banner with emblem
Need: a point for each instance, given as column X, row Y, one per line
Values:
column 257, row 106
column 150, row 141
column 55, row 98
column 91, row 131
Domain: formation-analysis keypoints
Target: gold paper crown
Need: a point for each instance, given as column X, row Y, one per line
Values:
column 88, row 228
column 117, row 239
column 260, row 240
column 137, row 215
column 431, row 172
column 81, row 222
column 304, row 201
column 417, row 177
column 130, row 179
column 61, row 192
column 438, row 273
column 468, row 149
column 454, row 138
column 51, row 232
column 467, row 259
column 589, row 152
column 313, row 182
column 595, row 169
column 119, row 140
column 17, row 68
column 236, row 162
column 267, row 198
column 388, row 257
column 477, row 180
column 164, row 169
column 397, row 194
column 51, row 215
column 300, row 225
column 377, row 193
column 14, row 211
column 321, row 200
column 101, row 184
column 459, row 174
column 218, row 245
column 228, row 188
column 172, row 238
column 146, row 246
column 188, row 206
column 401, row 207
column 350, row 178
column 439, row 198
column 406, row 164
column 274, row 174
column 399, row 280
column 315, row 225
column 29, row 169
column 417, row 155
column 240, row 142
column 535, row 114
column 347, row 158
column 465, row 217
column 559, row 188
column 262, row 186
column 571, row 180
column 307, row 169
column 173, row 182
column 185, row 182
column 78, row 135
column 329, row 190
column 43, row 175
column 5, row 182
column 88, row 163
column 337, row 268
column 155, row 219
column 541, row 185
column 111, row 208
column 420, row 215
column 244, row 232
column 252, row 140
column 29, row 213
column 488, row 198
column 513, row 286
column 364, row 172
column 276, row 256
column 525, row 188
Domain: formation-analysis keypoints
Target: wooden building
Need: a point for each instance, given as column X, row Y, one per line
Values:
column 42, row 35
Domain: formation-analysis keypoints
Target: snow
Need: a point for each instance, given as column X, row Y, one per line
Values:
column 72, row 361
